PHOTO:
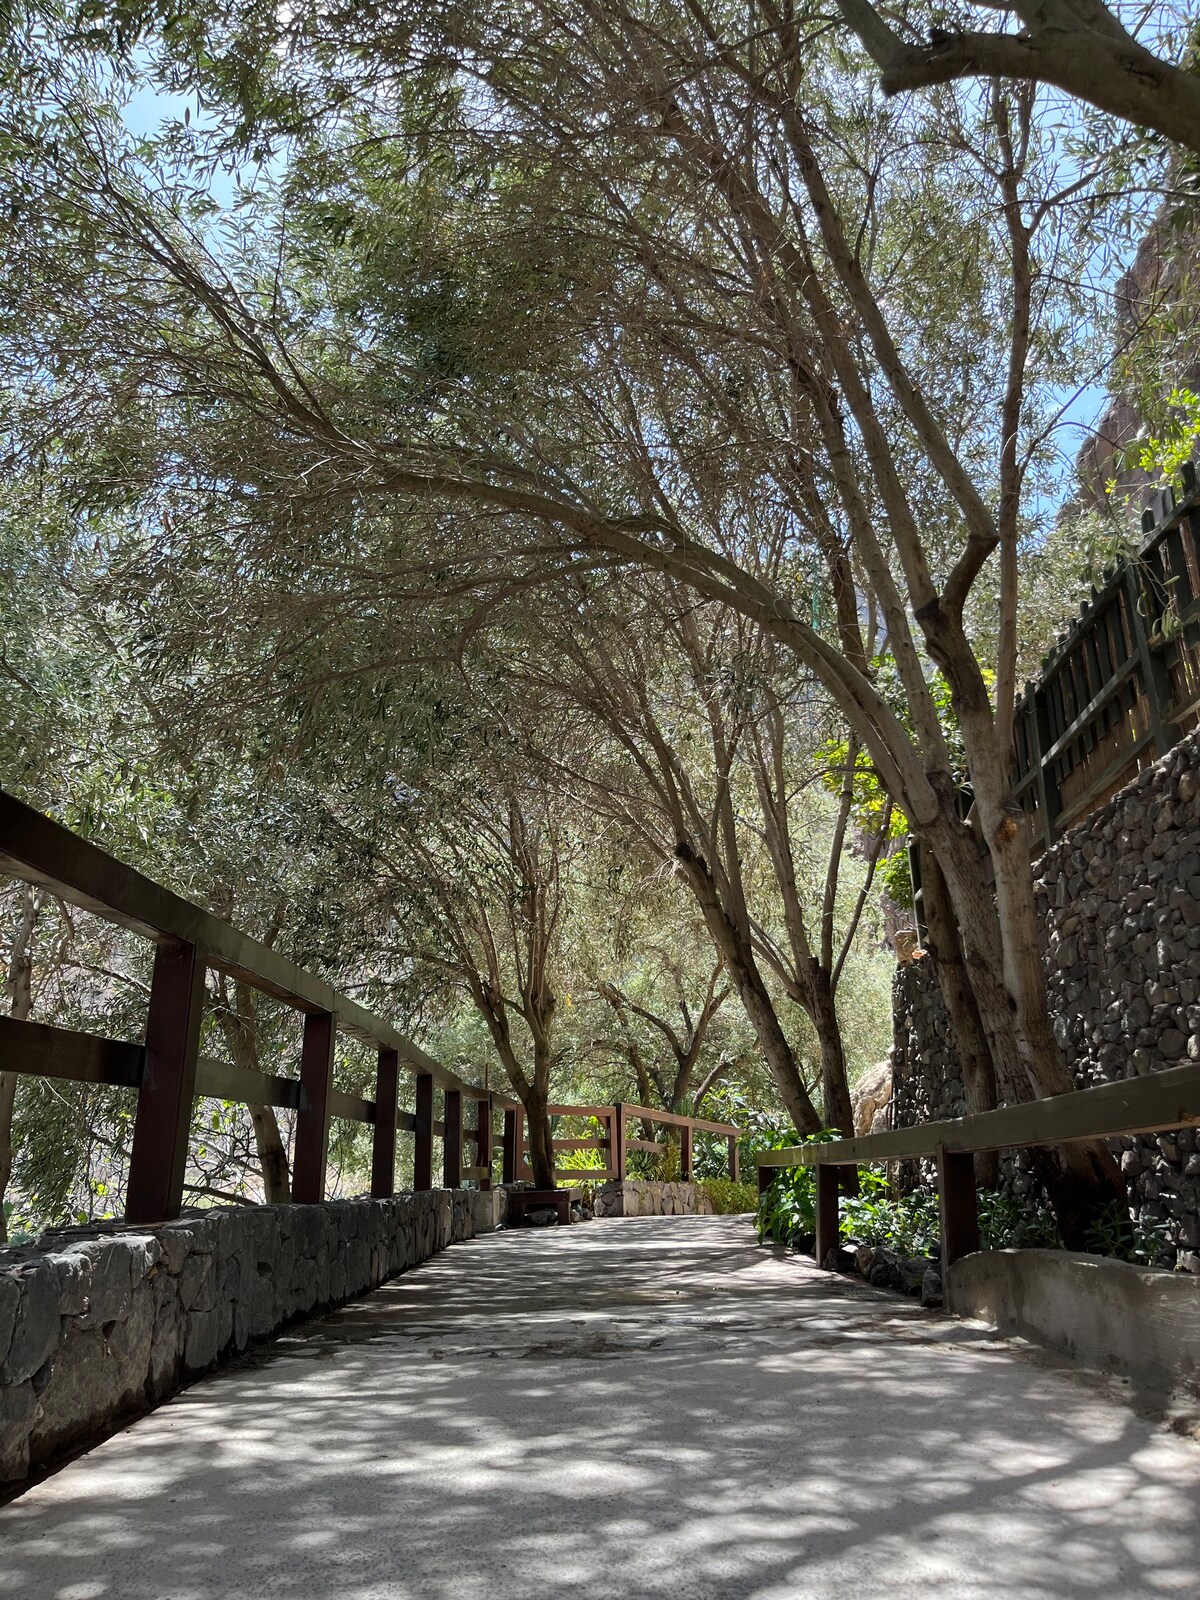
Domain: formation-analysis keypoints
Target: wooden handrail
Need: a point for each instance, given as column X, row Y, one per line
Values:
column 1159, row 1101
column 169, row 1073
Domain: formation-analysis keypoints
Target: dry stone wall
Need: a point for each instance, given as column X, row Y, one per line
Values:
column 95, row 1326
column 644, row 1197
column 1119, row 902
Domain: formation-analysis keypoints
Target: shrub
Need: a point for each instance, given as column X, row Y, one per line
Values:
column 729, row 1198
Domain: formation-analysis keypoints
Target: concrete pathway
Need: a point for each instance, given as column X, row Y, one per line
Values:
column 622, row 1410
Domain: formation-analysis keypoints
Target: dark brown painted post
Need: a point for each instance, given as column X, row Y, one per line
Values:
column 960, row 1212
column 766, row 1177
column 312, row 1120
column 733, row 1158
column 685, row 1152
column 827, row 1211
column 383, row 1145
column 616, row 1140
column 164, row 1109
column 483, row 1143
column 512, row 1134
column 423, row 1136
column 452, row 1140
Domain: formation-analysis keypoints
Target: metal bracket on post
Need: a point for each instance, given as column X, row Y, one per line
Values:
column 164, row 1110
column 452, row 1139
column 423, row 1135
column 383, row 1143
column 828, row 1185
column 312, row 1120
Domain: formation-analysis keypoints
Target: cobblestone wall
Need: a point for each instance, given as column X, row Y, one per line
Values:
column 645, row 1197
column 96, row 1325
column 1119, row 898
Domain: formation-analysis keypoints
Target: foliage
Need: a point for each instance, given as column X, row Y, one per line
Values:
column 1165, row 454
column 1147, row 1243
column 729, row 1198
column 1009, row 1223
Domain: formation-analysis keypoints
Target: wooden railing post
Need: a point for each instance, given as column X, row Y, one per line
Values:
column 616, row 1141
column 483, row 1142
column 733, row 1158
column 511, row 1145
column 452, row 1139
column 827, row 1211
column 958, row 1206
column 312, row 1120
column 685, row 1152
column 383, row 1142
column 766, row 1177
column 164, row 1109
column 423, row 1134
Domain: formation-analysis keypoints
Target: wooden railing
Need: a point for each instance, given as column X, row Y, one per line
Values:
column 169, row 1072
column 1122, row 685
column 616, row 1140
column 1152, row 1104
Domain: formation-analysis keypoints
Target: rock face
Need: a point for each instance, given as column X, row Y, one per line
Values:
column 870, row 1098
column 1119, row 903
column 94, row 1326
column 641, row 1197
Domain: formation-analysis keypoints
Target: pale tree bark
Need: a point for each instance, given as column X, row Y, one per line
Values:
column 1078, row 46
column 238, row 1021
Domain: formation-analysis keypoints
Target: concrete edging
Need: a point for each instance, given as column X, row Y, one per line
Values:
column 1141, row 1322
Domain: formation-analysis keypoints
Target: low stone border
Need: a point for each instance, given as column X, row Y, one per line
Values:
column 1141, row 1322
column 95, row 1325
column 644, row 1197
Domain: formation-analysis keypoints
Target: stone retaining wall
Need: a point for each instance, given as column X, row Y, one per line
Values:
column 643, row 1197
column 1102, row 1313
column 97, row 1325
column 1119, row 901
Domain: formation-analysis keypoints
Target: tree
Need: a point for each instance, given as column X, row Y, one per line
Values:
column 1079, row 46
column 761, row 246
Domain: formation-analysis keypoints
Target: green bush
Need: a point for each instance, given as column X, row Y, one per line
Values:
column 908, row 1223
column 728, row 1198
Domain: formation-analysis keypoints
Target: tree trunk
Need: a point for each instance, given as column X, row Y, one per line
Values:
column 752, row 992
column 945, row 951
column 19, row 984
column 1086, row 1178
column 835, row 1085
column 541, row 1148
column 272, row 1156
column 239, row 1024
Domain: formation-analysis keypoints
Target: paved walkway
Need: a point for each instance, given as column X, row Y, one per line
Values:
column 633, row 1409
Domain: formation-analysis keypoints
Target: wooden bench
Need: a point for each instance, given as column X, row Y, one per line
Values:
column 521, row 1201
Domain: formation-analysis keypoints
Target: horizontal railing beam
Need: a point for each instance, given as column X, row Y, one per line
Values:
column 42, row 852
column 672, row 1119
column 1161, row 1100
column 221, row 1080
column 42, row 1051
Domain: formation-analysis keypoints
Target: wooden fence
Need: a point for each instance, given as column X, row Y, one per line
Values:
column 169, row 1072
column 1152, row 1104
column 616, row 1140
column 1122, row 685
